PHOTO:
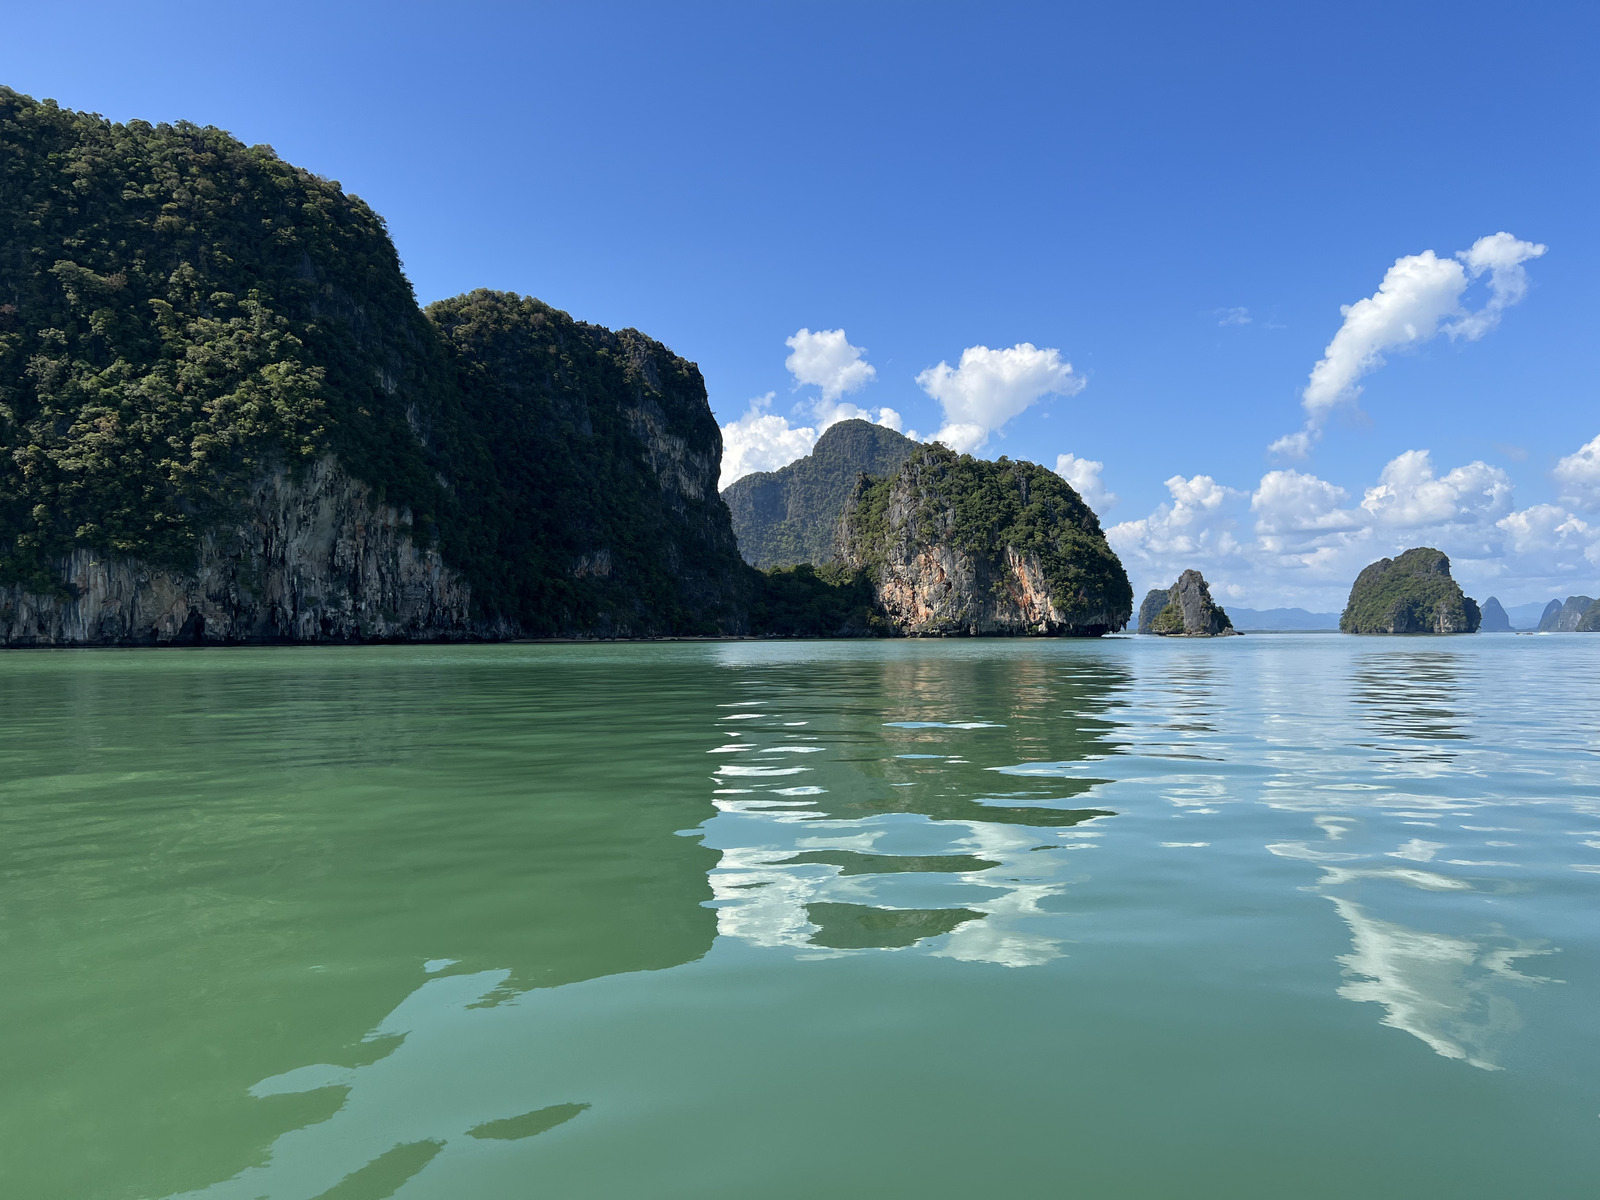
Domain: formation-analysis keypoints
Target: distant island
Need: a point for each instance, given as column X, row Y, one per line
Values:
column 1568, row 617
column 1413, row 593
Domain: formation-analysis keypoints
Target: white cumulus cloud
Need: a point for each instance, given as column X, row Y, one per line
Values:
column 1502, row 256
column 1309, row 541
column 1084, row 476
column 761, row 440
column 990, row 387
column 1414, row 303
column 1291, row 506
column 1578, row 475
column 1550, row 536
column 1197, row 526
column 1408, row 495
column 827, row 360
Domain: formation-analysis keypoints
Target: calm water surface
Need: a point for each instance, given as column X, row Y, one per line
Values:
column 1268, row 917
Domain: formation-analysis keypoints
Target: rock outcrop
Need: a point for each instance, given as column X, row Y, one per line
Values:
column 1154, row 601
column 956, row 546
column 1187, row 611
column 1413, row 593
column 1551, row 611
column 1590, row 621
column 1495, row 619
column 312, row 559
column 790, row 515
column 1568, row 617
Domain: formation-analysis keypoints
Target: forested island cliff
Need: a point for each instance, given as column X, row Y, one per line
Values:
column 224, row 418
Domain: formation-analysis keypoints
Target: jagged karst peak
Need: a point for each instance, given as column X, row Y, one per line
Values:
column 1494, row 619
column 1184, row 610
column 226, row 419
column 1565, row 617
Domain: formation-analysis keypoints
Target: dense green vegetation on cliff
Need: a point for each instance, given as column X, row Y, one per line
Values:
column 177, row 308
column 981, row 508
column 789, row 515
column 552, row 455
column 1413, row 593
column 179, row 312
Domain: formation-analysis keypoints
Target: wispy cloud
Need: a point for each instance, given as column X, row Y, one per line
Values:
column 1419, row 298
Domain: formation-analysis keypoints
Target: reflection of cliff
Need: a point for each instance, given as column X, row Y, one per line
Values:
column 913, row 829
column 226, row 864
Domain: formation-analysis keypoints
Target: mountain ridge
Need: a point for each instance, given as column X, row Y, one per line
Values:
column 788, row 516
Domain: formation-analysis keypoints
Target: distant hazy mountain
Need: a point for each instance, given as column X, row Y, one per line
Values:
column 1260, row 619
column 1565, row 619
column 1494, row 618
column 788, row 516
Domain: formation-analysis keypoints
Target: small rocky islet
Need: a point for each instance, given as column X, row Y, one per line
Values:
column 1184, row 610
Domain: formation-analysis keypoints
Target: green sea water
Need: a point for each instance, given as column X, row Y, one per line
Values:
column 1276, row 917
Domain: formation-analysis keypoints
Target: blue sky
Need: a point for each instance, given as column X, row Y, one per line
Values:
column 1175, row 199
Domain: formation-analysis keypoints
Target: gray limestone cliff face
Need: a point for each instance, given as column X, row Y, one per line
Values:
column 1186, row 610
column 1568, row 617
column 309, row 559
column 1154, row 601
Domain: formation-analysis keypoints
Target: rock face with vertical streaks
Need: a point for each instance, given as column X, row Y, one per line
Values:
column 1566, row 618
column 960, row 547
column 310, row 559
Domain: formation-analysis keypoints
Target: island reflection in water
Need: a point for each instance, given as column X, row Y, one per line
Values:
column 604, row 888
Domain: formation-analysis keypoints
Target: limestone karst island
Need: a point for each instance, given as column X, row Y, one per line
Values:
column 747, row 602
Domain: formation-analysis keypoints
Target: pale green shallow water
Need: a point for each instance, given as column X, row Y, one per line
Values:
column 520, row 921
